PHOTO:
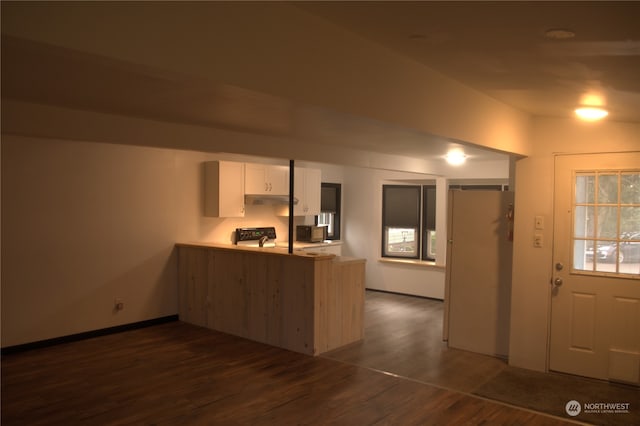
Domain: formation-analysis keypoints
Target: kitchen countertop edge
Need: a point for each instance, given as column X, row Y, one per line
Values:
column 278, row 251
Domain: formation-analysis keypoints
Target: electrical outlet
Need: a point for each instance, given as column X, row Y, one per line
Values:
column 537, row 240
column 118, row 304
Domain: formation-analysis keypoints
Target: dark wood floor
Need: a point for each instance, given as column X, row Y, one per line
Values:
column 176, row 374
column 403, row 335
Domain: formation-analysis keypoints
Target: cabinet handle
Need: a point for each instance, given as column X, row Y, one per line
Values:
column 266, row 187
column 270, row 187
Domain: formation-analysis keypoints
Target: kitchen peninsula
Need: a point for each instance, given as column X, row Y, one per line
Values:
column 305, row 302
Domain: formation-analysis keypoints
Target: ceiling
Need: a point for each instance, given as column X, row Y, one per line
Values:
column 497, row 48
column 43, row 73
column 500, row 48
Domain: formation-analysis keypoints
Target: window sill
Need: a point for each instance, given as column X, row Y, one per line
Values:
column 420, row 263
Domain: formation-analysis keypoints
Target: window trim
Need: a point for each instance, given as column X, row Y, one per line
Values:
column 439, row 260
column 337, row 215
column 418, row 257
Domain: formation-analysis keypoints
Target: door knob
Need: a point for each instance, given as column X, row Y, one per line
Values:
column 559, row 266
column 557, row 282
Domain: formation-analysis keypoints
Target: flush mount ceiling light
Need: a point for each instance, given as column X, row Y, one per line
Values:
column 591, row 113
column 559, row 34
column 455, row 157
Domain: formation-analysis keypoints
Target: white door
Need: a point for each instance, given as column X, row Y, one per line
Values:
column 478, row 276
column 595, row 307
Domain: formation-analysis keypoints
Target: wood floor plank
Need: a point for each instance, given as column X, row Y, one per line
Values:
column 180, row 374
column 403, row 336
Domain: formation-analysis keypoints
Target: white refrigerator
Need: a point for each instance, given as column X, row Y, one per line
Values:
column 478, row 273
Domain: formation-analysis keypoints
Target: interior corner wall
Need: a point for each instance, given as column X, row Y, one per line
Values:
column 362, row 208
column 362, row 224
column 531, row 273
column 532, row 267
column 84, row 224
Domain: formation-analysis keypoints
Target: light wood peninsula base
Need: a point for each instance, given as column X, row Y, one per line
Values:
column 302, row 302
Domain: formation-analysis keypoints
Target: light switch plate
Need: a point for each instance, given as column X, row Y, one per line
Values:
column 539, row 222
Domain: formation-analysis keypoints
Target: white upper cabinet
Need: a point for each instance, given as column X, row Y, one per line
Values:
column 307, row 183
column 224, row 189
column 266, row 179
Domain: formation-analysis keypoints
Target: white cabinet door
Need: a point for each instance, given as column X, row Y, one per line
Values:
column 224, row 189
column 255, row 179
column 307, row 191
column 298, row 191
column 266, row 179
column 278, row 179
column 312, row 184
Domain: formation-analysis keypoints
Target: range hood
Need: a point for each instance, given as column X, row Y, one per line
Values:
column 268, row 199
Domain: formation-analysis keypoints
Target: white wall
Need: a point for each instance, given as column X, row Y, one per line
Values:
column 296, row 56
column 30, row 119
column 362, row 193
column 85, row 222
column 532, row 267
column 362, row 224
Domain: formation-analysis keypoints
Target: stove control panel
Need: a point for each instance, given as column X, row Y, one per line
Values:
column 254, row 234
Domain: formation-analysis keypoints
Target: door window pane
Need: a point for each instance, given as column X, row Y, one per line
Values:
column 608, row 189
column 630, row 188
column 607, row 222
column 585, row 192
column 629, row 220
column 606, row 227
column 583, row 255
column 606, row 259
column 584, row 223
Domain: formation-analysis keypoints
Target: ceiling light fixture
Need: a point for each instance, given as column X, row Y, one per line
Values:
column 559, row 34
column 591, row 113
column 455, row 157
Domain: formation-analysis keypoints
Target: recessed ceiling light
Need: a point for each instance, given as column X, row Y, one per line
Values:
column 455, row 157
column 591, row 113
column 559, row 34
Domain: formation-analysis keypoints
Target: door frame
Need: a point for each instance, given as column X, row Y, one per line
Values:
column 554, row 254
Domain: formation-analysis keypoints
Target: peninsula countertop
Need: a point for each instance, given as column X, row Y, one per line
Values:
column 278, row 250
column 303, row 301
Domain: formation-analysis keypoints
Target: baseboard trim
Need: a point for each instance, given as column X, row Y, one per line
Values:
column 403, row 294
column 87, row 335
